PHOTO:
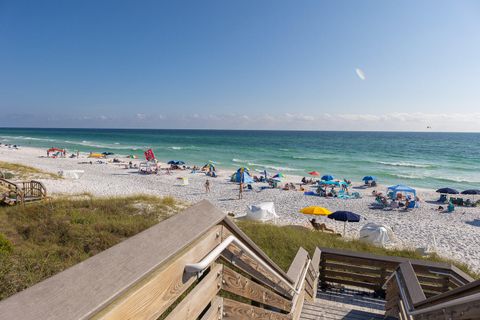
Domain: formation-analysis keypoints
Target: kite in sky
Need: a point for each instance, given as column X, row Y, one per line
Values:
column 360, row 73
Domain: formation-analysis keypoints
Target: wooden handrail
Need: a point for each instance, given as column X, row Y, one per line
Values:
column 410, row 283
column 470, row 288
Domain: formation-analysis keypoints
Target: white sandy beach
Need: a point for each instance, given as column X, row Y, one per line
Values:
column 457, row 234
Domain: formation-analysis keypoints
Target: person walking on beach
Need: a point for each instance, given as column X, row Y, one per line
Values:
column 240, row 191
column 207, row 186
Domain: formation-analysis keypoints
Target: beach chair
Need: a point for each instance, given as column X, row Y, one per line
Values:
column 323, row 228
column 442, row 199
column 411, row 205
column 355, row 195
column 460, row 202
column 450, row 207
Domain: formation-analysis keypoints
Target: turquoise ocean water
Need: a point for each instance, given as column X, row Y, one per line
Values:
column 429, row 160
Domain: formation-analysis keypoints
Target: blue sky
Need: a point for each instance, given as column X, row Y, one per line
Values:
column 241, row 64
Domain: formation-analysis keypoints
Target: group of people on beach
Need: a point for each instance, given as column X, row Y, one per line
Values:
column 10, row 146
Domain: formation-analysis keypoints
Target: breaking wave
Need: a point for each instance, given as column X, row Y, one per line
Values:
column 406, row 164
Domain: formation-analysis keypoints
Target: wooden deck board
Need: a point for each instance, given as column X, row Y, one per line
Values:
column 345, row 305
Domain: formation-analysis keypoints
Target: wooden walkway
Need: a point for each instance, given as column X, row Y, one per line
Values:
column 345, row 304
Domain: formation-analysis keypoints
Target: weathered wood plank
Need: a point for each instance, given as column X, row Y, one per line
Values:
column 329, row 265
column 254, row 274
column 309, row 290
column 240, row 311
column 392, row 299
column 234, row 229
column 298, row 264
column 236, row 283
column 255, row 268
column 465, row 311
column 361, row 261
column 468, row 289
column 431, row 288
column 297, row 308
column 316, row 268
column 152, row 296
column 354, row 277
column 215, row 310
column 86, row 288
column 352, row 283
column 198, row 299
column 410, row 281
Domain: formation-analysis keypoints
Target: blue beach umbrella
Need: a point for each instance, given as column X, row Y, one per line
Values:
column 329, row 183
column 369, row 178
column 345, row 216
column 327, row 177
column 471, row 191
column 177, row 162
column 447, row 191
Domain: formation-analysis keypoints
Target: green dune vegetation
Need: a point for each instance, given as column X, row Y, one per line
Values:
column 20, row 172
column 41, row 239
column 281, row 244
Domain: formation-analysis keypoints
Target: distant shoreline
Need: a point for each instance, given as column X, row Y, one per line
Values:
column 240, row 130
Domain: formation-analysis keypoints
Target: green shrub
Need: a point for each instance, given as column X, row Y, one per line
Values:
column 281, row 244
column 6, row 246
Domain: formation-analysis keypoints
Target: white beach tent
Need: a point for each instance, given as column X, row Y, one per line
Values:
column 376, row 234
column 264, row 211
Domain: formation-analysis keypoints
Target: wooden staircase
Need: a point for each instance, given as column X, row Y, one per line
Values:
column 22, row 192
column 199, row 265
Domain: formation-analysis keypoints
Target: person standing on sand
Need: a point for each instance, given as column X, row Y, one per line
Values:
column 240, row 191
column 207, row 186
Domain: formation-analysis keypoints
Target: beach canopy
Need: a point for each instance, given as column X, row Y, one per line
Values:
column 447, row 191
column 210, row 166
column 177, row 162
column 327, row 177
column 243, row 169
column 402, row 188
column 315, row 210
column 471, row 191
column 314, row 173
column 369, row 178
column 55, row 150
column 242, row 176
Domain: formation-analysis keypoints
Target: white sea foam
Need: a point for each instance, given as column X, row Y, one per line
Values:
column 407, row 176
column 406, row 164
column 272, row 167
column 29, row 138
column 104, row 146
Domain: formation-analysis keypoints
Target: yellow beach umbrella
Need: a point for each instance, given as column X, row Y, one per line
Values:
column 318, row 211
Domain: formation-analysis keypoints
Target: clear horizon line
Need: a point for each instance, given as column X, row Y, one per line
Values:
column 228, row 129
